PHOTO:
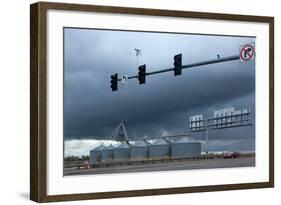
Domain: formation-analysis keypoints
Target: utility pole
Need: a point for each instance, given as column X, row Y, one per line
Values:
column 207, row 138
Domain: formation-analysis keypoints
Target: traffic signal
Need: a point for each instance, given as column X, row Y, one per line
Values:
column 142, row 73
column 114, row 82
column 177, row 64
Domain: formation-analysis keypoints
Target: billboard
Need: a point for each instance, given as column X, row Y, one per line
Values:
column 228, row 116
column 196, row 122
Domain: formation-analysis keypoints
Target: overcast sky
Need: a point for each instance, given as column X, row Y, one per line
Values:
column 163, row 104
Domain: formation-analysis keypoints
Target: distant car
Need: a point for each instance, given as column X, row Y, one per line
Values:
column 231, row 155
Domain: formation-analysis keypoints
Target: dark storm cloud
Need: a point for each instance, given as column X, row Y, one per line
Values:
column 161, row 106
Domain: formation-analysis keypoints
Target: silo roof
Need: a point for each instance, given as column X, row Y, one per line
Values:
column 182, row 140
column 109, row 147
column 100, row 147
column 140, row 143
column 160, row 141
column 123, row 145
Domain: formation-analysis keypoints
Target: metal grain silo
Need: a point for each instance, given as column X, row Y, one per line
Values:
column 107, row 153
column 159, row 148
column 95, row 154
column 122, row 152
column 139, row 150
column 184, row 148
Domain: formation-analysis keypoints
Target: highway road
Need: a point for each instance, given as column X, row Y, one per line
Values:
column 184, row 165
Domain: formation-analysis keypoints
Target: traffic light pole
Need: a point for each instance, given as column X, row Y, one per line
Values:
column 219, row 60
column 207, row 140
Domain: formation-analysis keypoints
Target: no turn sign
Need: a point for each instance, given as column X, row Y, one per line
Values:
column 247, row 52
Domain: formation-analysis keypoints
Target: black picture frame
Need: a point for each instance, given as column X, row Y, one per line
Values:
column 38, row 100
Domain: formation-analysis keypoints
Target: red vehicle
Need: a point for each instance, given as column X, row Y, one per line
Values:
column 231, row 155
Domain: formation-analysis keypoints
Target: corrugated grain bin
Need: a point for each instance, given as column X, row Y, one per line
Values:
column 184, row 148
column 139, row 150
column 95, row 154
column 107, row 153
column 159, row 148
column 122, row 152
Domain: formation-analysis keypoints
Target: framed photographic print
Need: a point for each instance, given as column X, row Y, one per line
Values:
column 135, row 102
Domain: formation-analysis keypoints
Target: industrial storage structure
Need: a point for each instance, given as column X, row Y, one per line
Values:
column 95, row 154
column 159, row 148
column 183, row 148
column 139, row 150
column 121, row 152
column 107, row 153
column 153, row 148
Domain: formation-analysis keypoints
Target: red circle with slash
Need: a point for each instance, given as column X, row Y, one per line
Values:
column 247, row 52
